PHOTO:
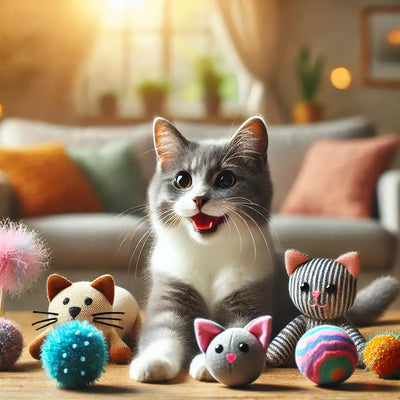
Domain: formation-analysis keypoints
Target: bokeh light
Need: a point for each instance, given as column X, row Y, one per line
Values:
column 341, row 78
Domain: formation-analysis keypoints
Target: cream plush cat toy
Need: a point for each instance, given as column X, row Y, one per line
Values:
column 110, row 308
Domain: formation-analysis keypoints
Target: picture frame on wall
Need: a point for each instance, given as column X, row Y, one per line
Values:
column 380, row 46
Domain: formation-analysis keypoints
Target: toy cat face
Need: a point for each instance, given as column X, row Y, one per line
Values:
column 91, row 301
column 234, row 356
column 322, row 288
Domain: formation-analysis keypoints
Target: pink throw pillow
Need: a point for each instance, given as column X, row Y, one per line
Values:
column 338, row 177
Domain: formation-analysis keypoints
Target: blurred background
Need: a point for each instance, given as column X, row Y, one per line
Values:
column 121, row 61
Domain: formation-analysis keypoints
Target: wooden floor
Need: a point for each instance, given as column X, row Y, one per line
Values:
column 28, row 380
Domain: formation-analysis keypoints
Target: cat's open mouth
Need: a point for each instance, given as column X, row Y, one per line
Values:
column 204, row 223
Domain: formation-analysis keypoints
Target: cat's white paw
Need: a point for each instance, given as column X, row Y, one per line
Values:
column 198, row 369
column 152, row 369
column 160, row 361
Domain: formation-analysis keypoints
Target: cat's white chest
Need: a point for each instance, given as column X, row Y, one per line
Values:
column 215, row 269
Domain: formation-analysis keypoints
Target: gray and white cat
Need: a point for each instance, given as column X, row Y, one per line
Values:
column 213, row 256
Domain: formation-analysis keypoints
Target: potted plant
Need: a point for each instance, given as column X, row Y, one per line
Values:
column 154, row 93
column 309, row 77
column 211, row 80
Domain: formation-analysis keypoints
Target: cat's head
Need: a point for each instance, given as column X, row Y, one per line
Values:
column 208, row 187
column 91, row 301
column 322, row 288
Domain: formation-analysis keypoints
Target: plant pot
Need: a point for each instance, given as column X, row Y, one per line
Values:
column 306, row 113
column 212, row 104
column 154, row 104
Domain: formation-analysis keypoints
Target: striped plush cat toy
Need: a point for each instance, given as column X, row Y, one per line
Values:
column 323, row 290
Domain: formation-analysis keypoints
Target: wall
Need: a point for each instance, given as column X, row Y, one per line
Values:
column 332, row 27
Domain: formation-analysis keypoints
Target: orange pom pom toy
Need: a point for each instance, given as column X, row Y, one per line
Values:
column 382, row 355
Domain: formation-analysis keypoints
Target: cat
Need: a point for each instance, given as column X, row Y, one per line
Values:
column 212, row 256
column 109, row 308
column 323, row 290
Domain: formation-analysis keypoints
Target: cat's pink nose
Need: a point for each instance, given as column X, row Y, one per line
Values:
column 231, row 357
column 316, row 295
column 200, row 201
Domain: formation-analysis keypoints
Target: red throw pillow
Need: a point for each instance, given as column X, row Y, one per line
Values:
column 338, row 177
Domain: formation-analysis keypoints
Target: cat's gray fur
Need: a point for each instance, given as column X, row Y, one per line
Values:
column 230, row 276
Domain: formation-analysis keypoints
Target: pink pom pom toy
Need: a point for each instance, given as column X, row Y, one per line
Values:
column 23, row 257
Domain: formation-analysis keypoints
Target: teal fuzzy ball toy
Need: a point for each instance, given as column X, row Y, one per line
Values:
column 74, row 354
column 326, row 355
column 11, row 344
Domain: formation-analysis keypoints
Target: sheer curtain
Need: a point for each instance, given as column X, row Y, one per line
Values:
column 252, row 26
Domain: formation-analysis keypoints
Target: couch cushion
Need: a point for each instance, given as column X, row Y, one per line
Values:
column 330, row 237
column 339, row 177
column 112, row 172
column 46, row 181
column 93, row 240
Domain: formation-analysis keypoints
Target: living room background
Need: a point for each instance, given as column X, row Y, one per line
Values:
column 53, row 68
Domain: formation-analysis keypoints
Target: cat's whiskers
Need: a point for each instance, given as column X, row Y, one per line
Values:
column 99, row 321
column 250, row 232
column 50, row 320
column 131, row 235
column 228, row 220
column 238, row 201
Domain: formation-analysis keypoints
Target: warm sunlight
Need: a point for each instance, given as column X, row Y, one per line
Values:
column 119, row 5
column 341, row 78
column 393, row 37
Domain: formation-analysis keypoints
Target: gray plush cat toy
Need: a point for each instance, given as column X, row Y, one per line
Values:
column 234, row 356
column 323, row 290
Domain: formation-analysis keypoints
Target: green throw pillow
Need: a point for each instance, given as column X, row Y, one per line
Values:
column 112, row 172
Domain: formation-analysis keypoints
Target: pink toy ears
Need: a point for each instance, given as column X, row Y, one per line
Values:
column 205, row 331
column 261, row 329
column 351, row 261
column 294, row 259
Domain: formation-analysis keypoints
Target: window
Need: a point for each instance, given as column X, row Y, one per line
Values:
column 152, row 39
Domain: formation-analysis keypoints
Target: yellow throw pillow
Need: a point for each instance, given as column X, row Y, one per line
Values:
column 46, row 181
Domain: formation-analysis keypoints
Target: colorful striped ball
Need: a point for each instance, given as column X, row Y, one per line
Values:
column 326, row 355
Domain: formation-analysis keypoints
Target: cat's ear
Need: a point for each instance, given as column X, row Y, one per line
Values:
column 293, row 259
column 251, row 139
column 168, row 141
column 105, row 284
column 261, row 329
column 351, row 261
column 55, row 284
column 205, row 331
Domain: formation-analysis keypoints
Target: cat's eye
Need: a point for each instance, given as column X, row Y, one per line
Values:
column 88, row 301
column 183, row 180
column 66, row 301
column 244, row 347
column 225, row 180
column 305, row 287
column 331, row 288
column 219, row 348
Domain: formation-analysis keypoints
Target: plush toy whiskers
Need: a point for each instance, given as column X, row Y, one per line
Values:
column 109, row 308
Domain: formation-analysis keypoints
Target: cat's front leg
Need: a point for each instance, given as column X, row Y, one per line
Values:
column 167, row 341
column 198, row 369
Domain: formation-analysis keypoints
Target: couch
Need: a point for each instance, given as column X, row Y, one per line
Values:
column 87, row 244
